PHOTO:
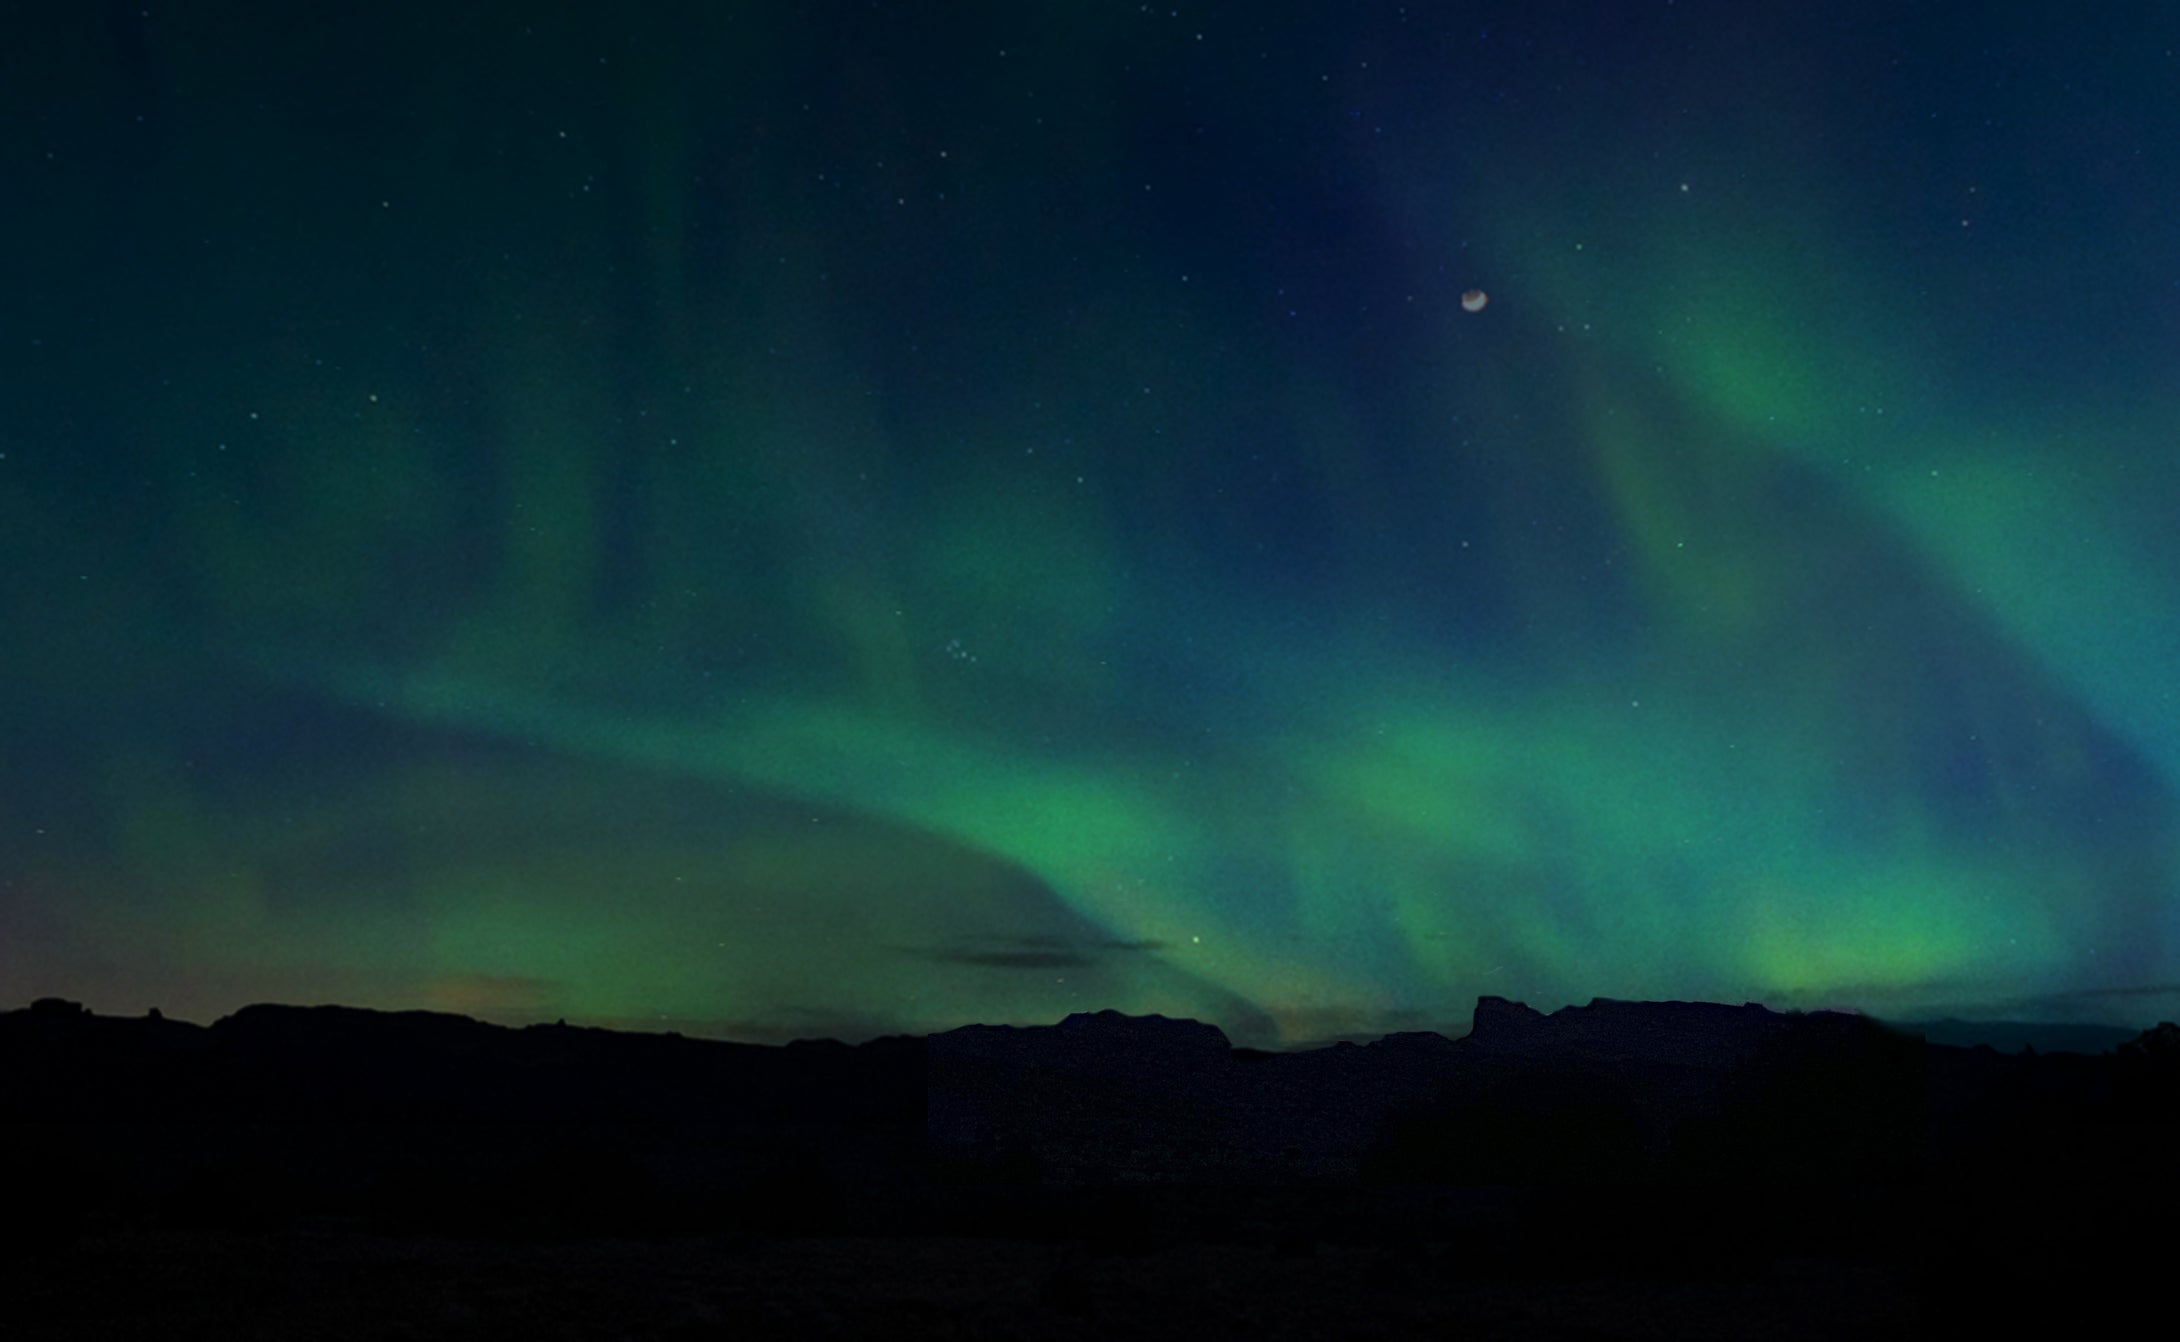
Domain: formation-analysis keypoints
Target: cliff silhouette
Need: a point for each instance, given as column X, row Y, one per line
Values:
column 1775, row 1173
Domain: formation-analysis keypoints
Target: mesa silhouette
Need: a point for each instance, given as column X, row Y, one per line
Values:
column 1660, row 1141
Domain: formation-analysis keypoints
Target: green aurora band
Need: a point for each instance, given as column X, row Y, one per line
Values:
column 701, row 554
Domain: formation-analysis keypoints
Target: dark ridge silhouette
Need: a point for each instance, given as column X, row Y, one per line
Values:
column 2018, row 1036
column 1731, row 1170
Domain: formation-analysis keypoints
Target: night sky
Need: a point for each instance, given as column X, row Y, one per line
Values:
column 780, row 519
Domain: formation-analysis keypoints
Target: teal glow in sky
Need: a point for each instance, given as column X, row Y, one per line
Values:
column 842, row 518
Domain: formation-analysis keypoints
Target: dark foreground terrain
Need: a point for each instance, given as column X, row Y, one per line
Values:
column 1622, row 1170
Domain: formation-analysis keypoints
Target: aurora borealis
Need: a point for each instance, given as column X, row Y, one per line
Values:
column 837, row 518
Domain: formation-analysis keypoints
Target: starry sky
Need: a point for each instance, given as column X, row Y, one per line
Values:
column 832, row 517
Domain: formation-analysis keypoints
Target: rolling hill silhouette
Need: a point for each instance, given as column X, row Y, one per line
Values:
column 1744, row 1171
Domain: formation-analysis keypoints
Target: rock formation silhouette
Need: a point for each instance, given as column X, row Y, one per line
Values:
column 1663, row 1142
